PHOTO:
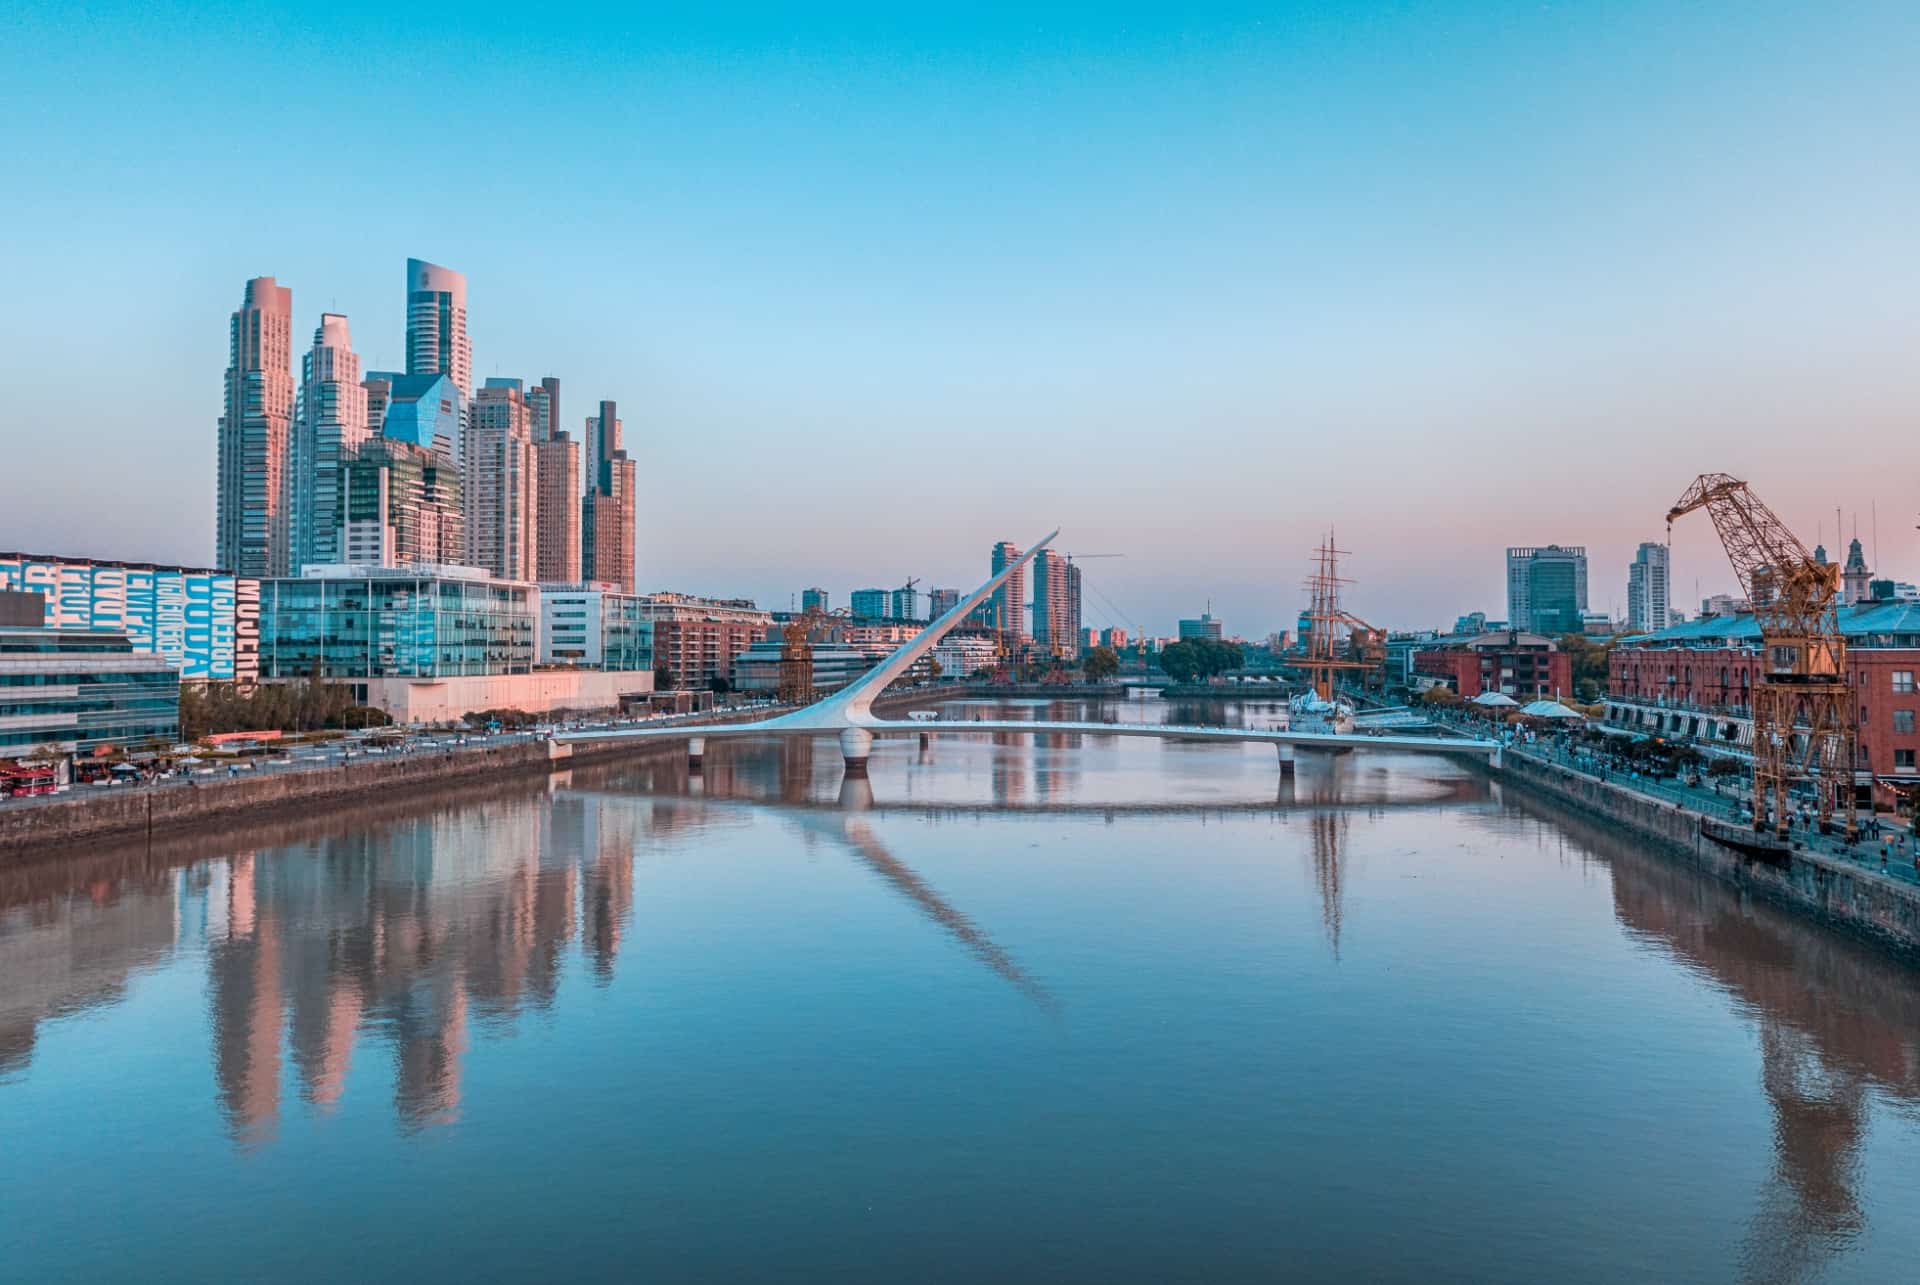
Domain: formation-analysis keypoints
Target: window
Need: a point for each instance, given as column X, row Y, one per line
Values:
column 1903, row 758
column 1903, row 680
column 1903, row 720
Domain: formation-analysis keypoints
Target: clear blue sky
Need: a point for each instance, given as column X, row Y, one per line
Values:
column 875, row 288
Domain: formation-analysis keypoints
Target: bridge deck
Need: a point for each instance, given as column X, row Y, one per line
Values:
column 1162, row 731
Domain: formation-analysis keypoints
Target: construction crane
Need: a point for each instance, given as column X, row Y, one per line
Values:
column 1803, row 724
column 796, row 654
column 1328, row 625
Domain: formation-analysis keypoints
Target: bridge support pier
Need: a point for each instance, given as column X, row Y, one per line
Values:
column 1286, row 759
column 855, row 744
column 696, row 755
column 926, row 739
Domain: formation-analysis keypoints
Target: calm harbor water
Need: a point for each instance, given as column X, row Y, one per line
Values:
column 1085, row 1008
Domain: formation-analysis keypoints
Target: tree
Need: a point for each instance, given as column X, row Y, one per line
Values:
column 718, row 685
column 1590, row 660
column 1180, row 662
column 1100, row 664
column 1441, row 696
column 665, row 680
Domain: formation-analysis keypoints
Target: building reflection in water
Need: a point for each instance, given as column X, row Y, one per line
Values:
column 1835, row 1021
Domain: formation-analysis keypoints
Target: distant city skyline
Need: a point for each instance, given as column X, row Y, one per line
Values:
column 1190, row 286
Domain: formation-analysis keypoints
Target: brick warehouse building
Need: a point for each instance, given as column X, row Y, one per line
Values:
column 1694, row 682
column 1523, row 666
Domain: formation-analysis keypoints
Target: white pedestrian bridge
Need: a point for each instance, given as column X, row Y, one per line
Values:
column 848, row 713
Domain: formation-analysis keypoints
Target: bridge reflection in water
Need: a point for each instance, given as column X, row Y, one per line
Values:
column 405, row 927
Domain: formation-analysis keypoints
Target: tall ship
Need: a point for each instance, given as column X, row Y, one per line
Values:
column 1337, row 642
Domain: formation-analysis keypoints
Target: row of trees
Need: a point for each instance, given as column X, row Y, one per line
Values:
column 1200, row 658
column 308, row 705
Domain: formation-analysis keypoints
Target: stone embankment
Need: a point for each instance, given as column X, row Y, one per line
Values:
column 1850, row 897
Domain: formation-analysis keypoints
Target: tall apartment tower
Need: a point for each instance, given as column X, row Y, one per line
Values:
column 1056, row 604
column 437, row 342
column 329, row 427
column 251, row 530
column 499, row 483
column 543, row 400
column 1647, row 589
column 557, row 557
column 1547, row 589
column 1010, row 599
column 608, row 509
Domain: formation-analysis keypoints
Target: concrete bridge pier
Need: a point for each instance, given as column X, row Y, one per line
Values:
column 1286, row 759
column 696, row 755
column 855, row 744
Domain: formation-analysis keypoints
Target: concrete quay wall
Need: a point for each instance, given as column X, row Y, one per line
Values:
column 1853, row 899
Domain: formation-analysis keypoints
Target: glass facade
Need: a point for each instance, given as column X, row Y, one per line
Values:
column 594, row 629
column 81, row 690
column 397, row 626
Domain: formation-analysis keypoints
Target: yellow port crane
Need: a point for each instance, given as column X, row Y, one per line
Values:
column 1803, row 723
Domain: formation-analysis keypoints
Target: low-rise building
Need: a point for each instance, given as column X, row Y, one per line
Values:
column 696, row 639
column 757, row 669
column 1694, row 681
column 80, row 690
column 423, row 644
column 1521, row 665
column 963, row 655
column 205, row 623
column 594, row 626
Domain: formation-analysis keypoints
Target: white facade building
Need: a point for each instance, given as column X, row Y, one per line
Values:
column 1648, row 584
column 329, row 426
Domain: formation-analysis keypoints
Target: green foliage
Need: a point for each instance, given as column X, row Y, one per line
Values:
column 718, row 685
column 1100, row 664
column 1192, row 658
column 1441, row 696
column 665, row 680
column 307, row 705
column 1589, row 664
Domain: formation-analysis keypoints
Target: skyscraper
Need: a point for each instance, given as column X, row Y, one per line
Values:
column 1009, row 600
column 329, row 427
column 1547, row 589
column 813, row 599
column 498, row 485
column 941, row 601
column 557, row 559
column 437, row 342
column 400, row 505
column 543, row 400
column 250, row 519
column 1056, row 604
column 607, row 511
column 1647, row 589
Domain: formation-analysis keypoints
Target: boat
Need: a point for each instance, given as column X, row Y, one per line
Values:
column 1313, row 713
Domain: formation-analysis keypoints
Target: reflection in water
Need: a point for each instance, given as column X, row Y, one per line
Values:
column 1833, row 1019
column 385, row 948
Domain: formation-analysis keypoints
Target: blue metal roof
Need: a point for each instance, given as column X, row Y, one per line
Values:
column 1868, row 622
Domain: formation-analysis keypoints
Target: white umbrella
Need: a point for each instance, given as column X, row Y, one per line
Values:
column 1549, row 709
column 1494, row 700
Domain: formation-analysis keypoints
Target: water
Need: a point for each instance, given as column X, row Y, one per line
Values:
column 1086, row 1009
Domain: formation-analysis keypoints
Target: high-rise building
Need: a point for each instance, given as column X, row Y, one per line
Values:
column 903, row 603
column 869, row 604
column 557, row 557
column 1207, row 627
column 543, row 400
column 427, row 410
column 329, row 427
column 1056, row 604
column 813, row 600
column 606, row 525
column 1547, row 589
column 250, row 522
column 1008, row 613
column 1647, row 589
column 608, row 508
column 437, row 341
column 400, row 506
column 941, row 601
column 498, row 483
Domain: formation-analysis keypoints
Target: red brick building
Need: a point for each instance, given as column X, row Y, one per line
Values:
column 696, row 639
column 1695, row 682
column 1523, row 666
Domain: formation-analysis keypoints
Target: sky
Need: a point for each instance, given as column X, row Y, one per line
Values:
column 876, row 287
